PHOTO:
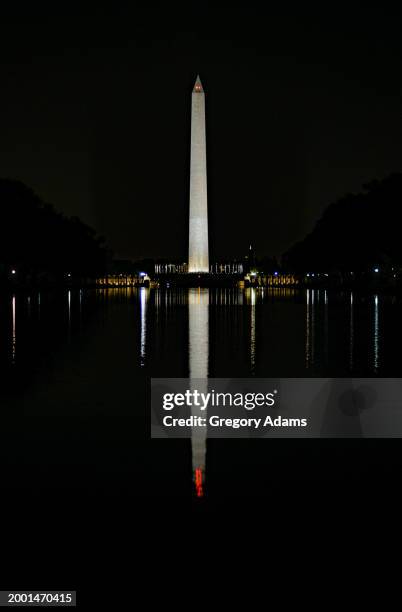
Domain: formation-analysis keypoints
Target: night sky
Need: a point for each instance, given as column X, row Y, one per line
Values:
column 302, row 107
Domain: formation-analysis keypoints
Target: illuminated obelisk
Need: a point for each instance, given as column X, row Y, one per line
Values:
column 198, row 258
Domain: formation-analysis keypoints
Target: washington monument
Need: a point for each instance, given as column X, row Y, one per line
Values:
column 198, row 258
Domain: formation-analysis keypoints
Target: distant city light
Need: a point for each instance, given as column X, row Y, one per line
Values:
column 69, row 274
column 276, row 273
column 376, row 269
column 143, row 273
column 13, row 271
column 307, row 274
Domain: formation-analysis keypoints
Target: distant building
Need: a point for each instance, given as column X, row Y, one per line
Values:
column 215, row 268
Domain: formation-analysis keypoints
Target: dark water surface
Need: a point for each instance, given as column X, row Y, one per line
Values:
column 76, row 368
column 79, row 471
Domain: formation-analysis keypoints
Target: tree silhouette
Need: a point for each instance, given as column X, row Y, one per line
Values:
column 43, row 243
column 355, row 233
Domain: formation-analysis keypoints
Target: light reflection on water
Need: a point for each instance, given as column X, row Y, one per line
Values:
column 313, row 291
column 325, row 317
column 343, row 333
column 308, row 349
column 324, row 329
column 200, row 333
column 326, row 337
column 351, row 333
column 69, row 313
column 198, row 355
column 144, row 295
column 376, row 336
column 251, row 299
column 14, row 335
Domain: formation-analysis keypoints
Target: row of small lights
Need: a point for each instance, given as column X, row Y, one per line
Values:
column 251, row 273
column 312, row 274
column 255, row 273
column 15, row 272
column 376, row 270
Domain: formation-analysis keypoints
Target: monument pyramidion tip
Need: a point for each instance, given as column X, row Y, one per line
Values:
column 198, row 85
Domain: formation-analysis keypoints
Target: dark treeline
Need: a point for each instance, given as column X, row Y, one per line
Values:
column 38, row 244
column 356, row 233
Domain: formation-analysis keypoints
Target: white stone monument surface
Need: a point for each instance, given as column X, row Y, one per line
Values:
column 198, row 258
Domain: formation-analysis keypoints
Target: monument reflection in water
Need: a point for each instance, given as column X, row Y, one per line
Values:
column 261, row 332
column 198, row 344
